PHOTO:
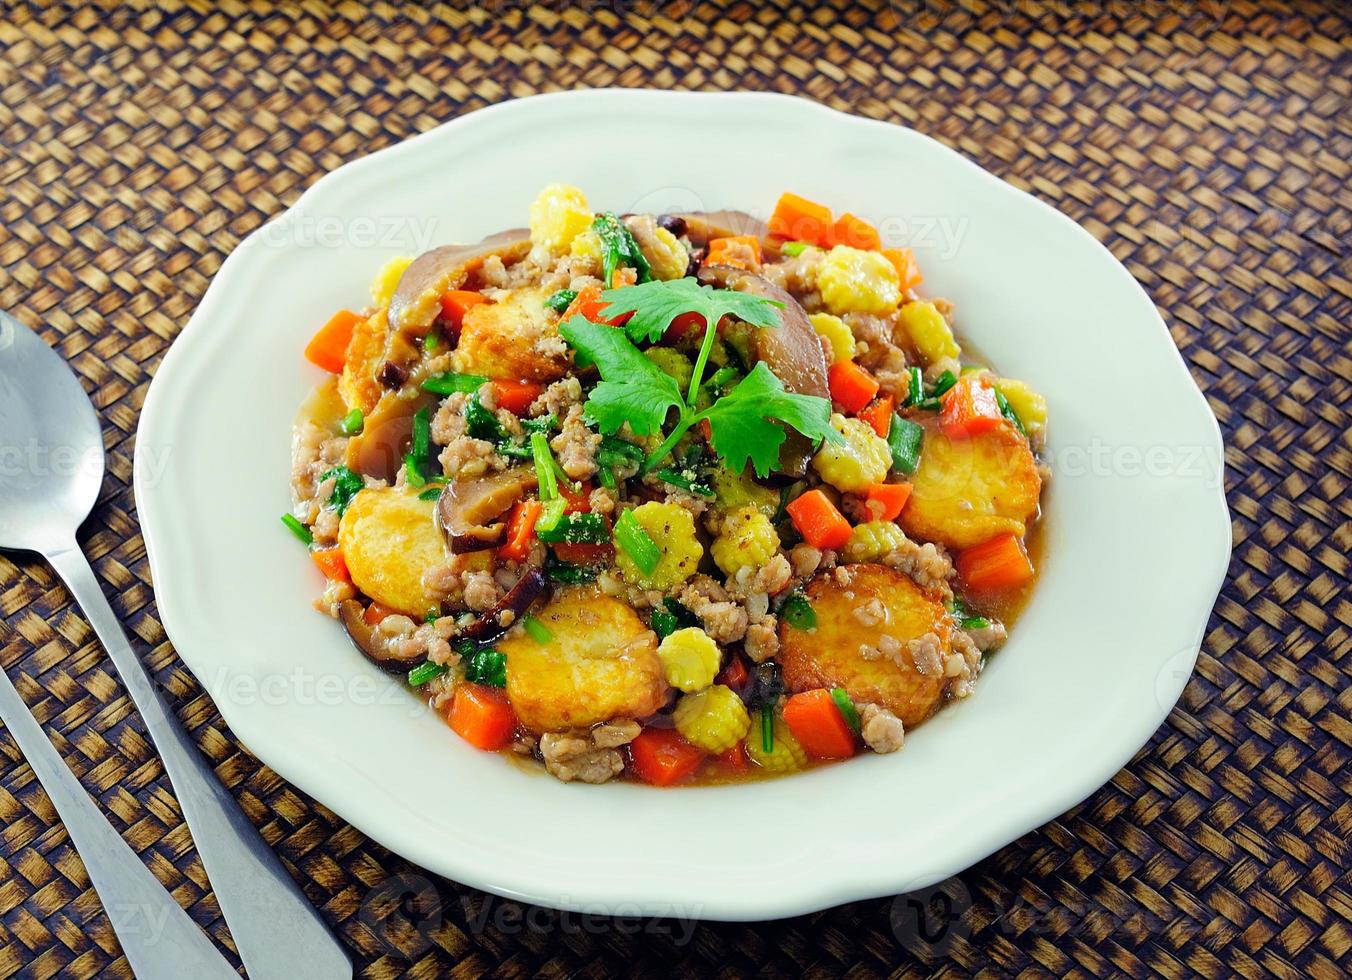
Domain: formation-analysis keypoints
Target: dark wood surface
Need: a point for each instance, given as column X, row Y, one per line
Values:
column 1207, row 144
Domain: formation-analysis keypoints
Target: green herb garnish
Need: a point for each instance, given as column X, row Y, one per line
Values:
column 683, row 480
column 432, row 492
column 904, row 441
column 480, row 423
column 742, row 423
column 1008, row 412
column 794, row 248
column 346, row 485
column 352, row 422
column 671, row 617
column 561, row 300
column 767, row 729
column 942, row 383
column 566, row 573
column 915, row 386
column 798, row 612
column 450, row 383
column 431, row 341
column 633, row 539
column 298, row 529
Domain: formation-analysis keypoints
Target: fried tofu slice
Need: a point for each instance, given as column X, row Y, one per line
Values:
column 966, row 491
column 515, row 338
column 389, row 538
column 879, row 635
column 365, row 355
column 601, row 663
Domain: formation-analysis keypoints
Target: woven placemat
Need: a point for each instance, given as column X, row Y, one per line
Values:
column 1207, row 144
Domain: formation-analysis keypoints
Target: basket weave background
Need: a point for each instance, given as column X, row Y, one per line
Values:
column 1207, row 144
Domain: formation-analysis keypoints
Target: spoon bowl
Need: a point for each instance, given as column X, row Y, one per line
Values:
column 51, row 446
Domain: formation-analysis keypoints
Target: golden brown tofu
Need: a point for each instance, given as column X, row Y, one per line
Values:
column 514, row 339
column 601, row 663
column 365, row 355
column 878, row 635
column 966, row 491
column 389, row 537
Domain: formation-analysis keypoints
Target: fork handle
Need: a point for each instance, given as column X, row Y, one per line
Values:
column 158, row 938
column 277, row 931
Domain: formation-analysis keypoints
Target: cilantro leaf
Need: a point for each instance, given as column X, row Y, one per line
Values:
column 742, row 423
column 633, row 389
column 655, row 304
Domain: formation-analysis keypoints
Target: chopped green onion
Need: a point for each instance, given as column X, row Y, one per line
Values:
column 904, row 440
column 607, row 477
column 550, row 515
column 433, row 614
column 942, row 383
column 413, row 474
column 846, row 708
column 915, row 386
column 1007, row 410
column 798, row 612
column 722, row 376
column 432, row 492
column 537, row 630
column 430, row 341
column 679, row 479
column 794, row 248
column 622, row 448
column 767, row 729
column 635, row 542
column 545, row 423
column 929, row 405
column 544, row 467
column 450, row 383
column 481, row 423
column 424, row 672
column 561, row 300
column 585, row 528
column 298, row 529
column 514, row 451
column 352, row 422
column 567, row 573
column 974, row 622
column 422, row 433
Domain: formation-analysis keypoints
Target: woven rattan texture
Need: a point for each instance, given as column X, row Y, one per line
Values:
column 1207, row 145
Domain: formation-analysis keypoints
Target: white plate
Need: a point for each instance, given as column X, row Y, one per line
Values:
column 1138, row 531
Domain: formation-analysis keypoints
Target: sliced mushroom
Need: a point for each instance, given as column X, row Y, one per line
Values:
column 385, row 436
column 701, row 226
column 468, row 510
column 510, row 608
column 369, row 641
column 417, row 298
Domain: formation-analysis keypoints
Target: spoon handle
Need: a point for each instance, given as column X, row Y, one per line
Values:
column 276, row 930
column 160, row 941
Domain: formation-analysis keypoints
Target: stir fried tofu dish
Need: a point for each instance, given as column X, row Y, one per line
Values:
column 673, row 498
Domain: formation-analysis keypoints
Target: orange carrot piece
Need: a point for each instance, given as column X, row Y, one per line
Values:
column 583, row 554
column 818, row 725
column 735, row 675
column 375, row 612
column 588, row 304
column 660, row 756
column 683, row 325
column 733, row 760
column 886, row 500
column 1000, row 563
column 738, row 251
column 855, row 232
column 330, row 561
column 456, row 303
column 327, row 349
column 908, row 272
column 851, row 386
column 520, row 528
column 797, row 219
column 818, row 520
column 878, row 414
column 482, row 716
column 516, row 396
column 969, row 408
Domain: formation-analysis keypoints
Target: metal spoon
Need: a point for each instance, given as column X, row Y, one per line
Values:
column 51, row 469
